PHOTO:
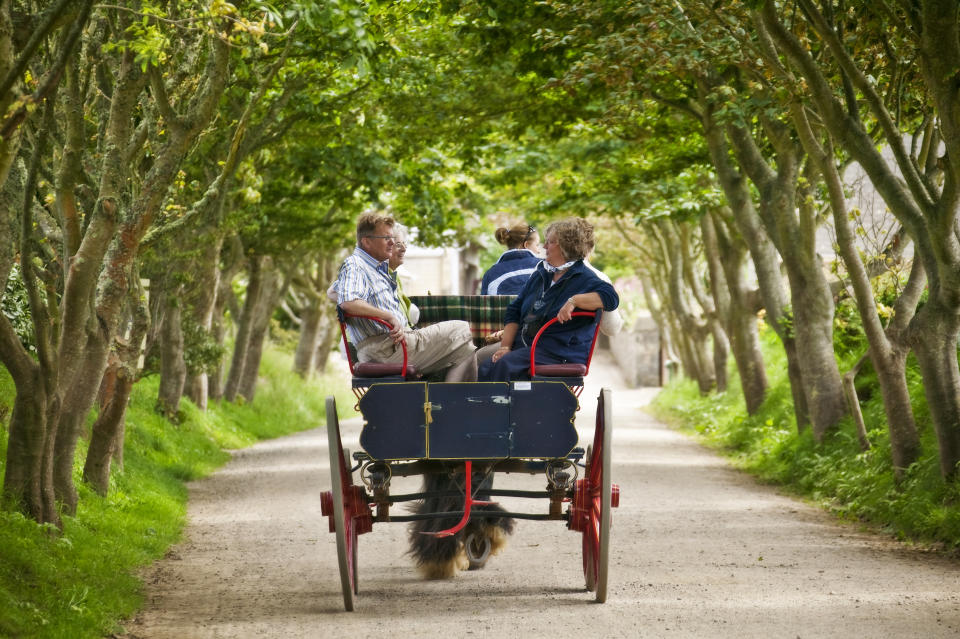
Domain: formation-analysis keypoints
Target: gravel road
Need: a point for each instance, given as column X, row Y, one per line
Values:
column 697, row 550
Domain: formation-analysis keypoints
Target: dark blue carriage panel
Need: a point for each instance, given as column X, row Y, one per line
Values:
column 541, row 419
column 395, row 420
column 469, row 420
column 480, row 420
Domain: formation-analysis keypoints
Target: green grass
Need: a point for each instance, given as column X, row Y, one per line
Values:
column 82, row 582
column 854, row 484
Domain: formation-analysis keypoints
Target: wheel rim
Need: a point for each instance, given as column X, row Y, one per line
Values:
column 595, row 500
column 590, row 539
column 606, row 497
column 341, row 481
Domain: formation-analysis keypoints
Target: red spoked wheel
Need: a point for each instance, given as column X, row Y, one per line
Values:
column 346, row 506
column 593, row 498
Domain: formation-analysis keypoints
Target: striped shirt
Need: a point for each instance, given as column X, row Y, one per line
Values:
column 363, row 278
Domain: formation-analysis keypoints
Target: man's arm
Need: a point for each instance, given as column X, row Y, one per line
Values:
column 359, row 307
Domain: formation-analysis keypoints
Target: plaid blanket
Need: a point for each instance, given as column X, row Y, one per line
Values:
column 483, row 312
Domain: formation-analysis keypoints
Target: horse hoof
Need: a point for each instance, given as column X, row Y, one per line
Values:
column 477, row 546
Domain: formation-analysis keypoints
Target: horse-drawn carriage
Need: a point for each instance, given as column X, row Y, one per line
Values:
column 467, row 432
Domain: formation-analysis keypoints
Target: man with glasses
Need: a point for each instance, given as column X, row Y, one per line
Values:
column 364, row 287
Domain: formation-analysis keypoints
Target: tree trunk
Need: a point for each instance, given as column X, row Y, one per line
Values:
column 929, row 213
column 694, row 330
column 200, row 298
column 762, row 251
column 813, row 328
column 726, row 261
column 888, row 351
column 331, row 335
column 106, row 442
column 305, row 357
column 933, row 334
column 233, row 260
column 792, row 227
column 78, row 399
column 115, row 392
column 173, row 369
column 25, row 482
column 721, row 353
column 241, row 342
column 263, row 311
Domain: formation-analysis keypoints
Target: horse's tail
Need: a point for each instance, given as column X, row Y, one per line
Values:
column 441, row 557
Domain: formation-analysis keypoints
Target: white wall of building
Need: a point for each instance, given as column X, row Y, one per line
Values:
column 431, row 271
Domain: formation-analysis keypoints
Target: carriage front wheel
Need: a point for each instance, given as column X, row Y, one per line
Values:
column 347, row 504
column 593, row 498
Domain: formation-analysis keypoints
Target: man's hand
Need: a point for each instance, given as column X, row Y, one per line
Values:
column 396, row 328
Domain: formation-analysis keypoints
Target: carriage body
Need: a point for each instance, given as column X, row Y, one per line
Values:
column 458, row 421
column 470, row 430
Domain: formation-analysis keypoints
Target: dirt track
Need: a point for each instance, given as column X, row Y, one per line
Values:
column 697, row 550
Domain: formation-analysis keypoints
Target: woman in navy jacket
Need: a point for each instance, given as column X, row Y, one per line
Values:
column 559, row 284
column 515, row 266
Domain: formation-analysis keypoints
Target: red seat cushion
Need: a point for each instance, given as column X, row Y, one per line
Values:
column 561, row 370
column 377, row 369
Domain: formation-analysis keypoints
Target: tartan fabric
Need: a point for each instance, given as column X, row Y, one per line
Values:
column 483, row 312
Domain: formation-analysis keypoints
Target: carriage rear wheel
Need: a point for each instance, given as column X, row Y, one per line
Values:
column 343, row 504
column 595, row 498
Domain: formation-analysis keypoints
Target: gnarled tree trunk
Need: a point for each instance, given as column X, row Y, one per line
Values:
column 173, row 368
column 726, row 260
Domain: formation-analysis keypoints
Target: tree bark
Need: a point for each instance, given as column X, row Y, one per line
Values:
column 269, row 293
column 200, row 298
column 762, row 251
column 115, row 391
column 930, row 215
column 740, row 323
column 106, row 442
column 694, row 330
column 173, row 369
column 810, row 295
column 305, row 357
column 888, row 356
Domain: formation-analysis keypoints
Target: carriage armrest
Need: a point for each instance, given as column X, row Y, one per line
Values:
column 564, row 370
column 373, row 369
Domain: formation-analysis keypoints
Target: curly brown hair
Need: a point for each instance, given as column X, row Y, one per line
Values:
column 575, row 237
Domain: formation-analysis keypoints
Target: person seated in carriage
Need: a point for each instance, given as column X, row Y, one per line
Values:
column 364, row 287
column 560, row 284
column 514, row 267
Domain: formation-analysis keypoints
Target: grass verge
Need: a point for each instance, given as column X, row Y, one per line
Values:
column 82, row 582
column 837, row 474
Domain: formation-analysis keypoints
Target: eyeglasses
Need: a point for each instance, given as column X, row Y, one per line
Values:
column 530, row 231
column 399, row 244
column 388, row 238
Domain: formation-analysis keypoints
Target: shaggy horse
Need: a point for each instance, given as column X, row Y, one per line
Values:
column 469, row 548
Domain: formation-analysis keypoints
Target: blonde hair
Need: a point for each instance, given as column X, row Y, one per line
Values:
column 516, row 236
column 574, row 236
